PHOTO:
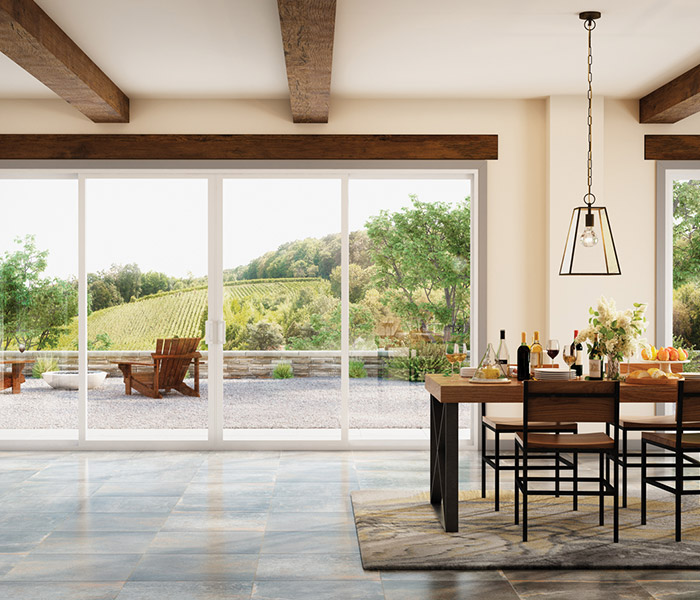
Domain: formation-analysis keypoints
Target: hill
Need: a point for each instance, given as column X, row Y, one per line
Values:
column 136, row 325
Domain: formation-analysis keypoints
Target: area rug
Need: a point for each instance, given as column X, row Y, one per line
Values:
column 400, row 530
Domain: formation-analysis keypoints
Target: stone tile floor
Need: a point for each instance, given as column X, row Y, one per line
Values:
column 254, row 525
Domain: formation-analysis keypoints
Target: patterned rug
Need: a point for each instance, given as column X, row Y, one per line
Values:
column 401, row 531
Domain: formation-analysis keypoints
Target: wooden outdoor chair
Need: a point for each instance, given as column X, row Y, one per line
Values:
column 171, row 360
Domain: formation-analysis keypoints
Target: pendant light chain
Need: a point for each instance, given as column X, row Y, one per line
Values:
column 590, row 198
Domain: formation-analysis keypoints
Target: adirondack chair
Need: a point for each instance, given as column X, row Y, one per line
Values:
column 171, row 360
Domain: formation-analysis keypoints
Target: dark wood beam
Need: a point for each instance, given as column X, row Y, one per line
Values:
column 307, row 35
column 248, row 147
column 672, row 147
column 30, row 38
column 674, row 101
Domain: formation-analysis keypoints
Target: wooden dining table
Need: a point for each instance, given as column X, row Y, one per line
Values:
column 15, row 377
column 448, row 392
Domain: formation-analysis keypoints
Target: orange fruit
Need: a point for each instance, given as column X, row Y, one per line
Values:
column 672, row 353
column 646, row 354
column 662, row 354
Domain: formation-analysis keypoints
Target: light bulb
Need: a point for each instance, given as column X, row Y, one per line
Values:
column 588, row 238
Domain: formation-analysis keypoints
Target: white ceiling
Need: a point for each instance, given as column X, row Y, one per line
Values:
column 383, row 48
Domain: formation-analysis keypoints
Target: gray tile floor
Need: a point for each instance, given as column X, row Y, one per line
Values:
column 260, row 525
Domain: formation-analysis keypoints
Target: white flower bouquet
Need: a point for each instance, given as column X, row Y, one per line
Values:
column 619, row 332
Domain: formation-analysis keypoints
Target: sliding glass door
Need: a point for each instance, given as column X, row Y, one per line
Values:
column 146, row 252
column 38, row 307
column 314, row 303
column 409, row 295
column 282, row 308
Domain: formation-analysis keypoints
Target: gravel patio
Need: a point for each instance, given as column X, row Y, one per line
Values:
column 308, row 403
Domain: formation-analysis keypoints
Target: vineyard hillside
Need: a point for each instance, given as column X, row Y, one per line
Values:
column 137, row 325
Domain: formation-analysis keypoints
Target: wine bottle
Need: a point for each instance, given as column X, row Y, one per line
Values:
column 536, row 352
column 523, row 359
column 577, row 348
column 595, row 361
column 503, row 355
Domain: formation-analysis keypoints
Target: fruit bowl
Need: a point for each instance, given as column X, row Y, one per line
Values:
column 664, row 357
column 665, row 365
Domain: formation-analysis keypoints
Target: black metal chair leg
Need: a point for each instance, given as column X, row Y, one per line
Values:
column 679, row 491
column 516, row 499
column 624, row 468
column 644, row 482
column 607, row 466
column 575, row 480
column 616, row 495
column 497, row 471
column 556, row 474
column 601, row 469
column 524, row 494
column 483, row 457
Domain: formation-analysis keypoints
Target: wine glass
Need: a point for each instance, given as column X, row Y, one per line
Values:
column 452, row 354
column 569, row 355
column 552, row 349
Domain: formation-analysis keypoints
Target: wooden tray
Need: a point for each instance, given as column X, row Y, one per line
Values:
column 650, row 381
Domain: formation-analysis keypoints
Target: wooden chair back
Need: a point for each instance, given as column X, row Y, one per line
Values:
column 173, row 357
column 688, row 403
column 580, row 401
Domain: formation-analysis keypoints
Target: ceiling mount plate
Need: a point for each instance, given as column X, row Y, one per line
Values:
column 589, row 15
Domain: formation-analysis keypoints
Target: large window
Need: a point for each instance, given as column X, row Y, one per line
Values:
column 686, row 258
column 409, row 293
column 146, row 251
column 316, row 302
column 39, row 306
column 282, row 358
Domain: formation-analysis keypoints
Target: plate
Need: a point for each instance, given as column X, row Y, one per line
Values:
column 491, row 381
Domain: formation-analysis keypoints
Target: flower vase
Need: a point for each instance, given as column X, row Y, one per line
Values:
column 612, row 371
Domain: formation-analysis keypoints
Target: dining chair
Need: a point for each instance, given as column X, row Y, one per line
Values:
column 582, row 402
column 497, row 460
column 633, row 459
column 679, row 443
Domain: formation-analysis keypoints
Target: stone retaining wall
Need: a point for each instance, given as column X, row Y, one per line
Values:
column 237, row 364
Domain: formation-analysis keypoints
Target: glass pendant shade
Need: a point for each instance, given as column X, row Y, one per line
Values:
column 590, row 246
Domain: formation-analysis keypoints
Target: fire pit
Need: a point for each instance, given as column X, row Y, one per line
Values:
column 68, row 380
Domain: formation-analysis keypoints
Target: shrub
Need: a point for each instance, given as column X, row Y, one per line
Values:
column 44, row 364
column 264, row 335
column 357, row 369
column 283, row 371
column 423, row 358
column 686, row 314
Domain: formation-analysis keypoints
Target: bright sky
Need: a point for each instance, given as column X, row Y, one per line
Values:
column 160, row 224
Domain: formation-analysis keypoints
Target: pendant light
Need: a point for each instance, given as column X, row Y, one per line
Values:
column 590, row 246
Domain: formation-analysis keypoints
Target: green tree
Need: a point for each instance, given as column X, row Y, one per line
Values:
column 153, row 282
column 35, row 308
column 360, row 280
column 127, row 279
column 421, row 257
column 686, row 232
column 264, row 335
column 103, row 294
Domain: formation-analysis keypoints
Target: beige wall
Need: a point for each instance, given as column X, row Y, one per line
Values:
column 532, row 188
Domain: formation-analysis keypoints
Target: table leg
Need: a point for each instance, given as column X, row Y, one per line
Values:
column 16, row 377
column 444, row 462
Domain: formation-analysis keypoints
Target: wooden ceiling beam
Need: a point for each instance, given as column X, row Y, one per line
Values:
column 308, row 28
column 673, row 101
column 247, row 147
column 31, row 39
column 672, row 147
